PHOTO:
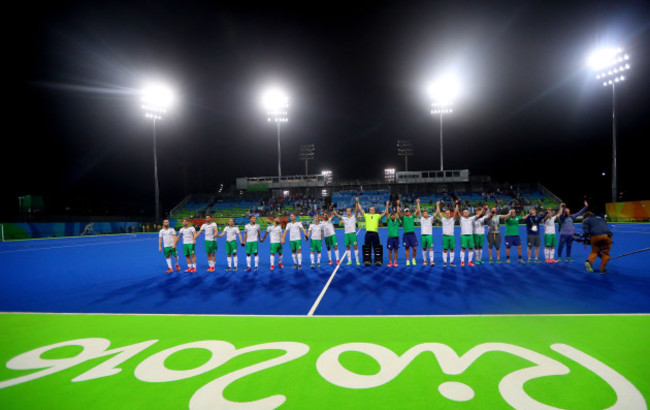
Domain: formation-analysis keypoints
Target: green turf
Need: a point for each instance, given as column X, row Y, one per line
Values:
column 620, row 342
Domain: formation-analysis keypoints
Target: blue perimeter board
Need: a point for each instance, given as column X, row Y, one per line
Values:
column 126, row 274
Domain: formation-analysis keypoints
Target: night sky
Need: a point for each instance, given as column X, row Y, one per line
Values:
column 531, row 111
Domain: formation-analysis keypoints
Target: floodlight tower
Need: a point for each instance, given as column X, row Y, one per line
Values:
column 276, row 104
column 307, row 153
column 405, row 149
column 156, row 100
column 611, row 65
column 442, row 93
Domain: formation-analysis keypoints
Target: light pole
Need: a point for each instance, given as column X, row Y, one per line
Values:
column 611, row 65
column 442, row 93
column 156, row 99
column 405, row 149
column 276, row 104
column 307, row 153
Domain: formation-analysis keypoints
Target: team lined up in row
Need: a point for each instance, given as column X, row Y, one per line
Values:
column 472, row 236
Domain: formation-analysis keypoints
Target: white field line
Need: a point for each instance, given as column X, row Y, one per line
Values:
column 74, row 246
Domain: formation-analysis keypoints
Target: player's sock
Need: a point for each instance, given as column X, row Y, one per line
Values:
column 272, row 260
column 311, row 257
column 169, row 262
column 451, row 256
column 257, row 261
column 424, row 255
column 234, row 260
column 336, row 253
column 299, row 257
column 329, row 255
column 295, row 258
column 318, row 258
column 356, row 254
column 470, row 256
column 176, row 259
column 248, row 261
column 279, row 258
column 551, row 252
column 431, row 255
column 547, row 254
column 229, row 259
column 462, row 256
column 444, row 258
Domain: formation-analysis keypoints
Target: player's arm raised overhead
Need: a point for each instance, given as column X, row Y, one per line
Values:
column 456, row 213
column 417, row 207
column 335, row 213
column 358, row 206
column 399, row 210
column 437, row 214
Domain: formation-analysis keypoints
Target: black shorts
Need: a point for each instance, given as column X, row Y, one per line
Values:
column 372, row 238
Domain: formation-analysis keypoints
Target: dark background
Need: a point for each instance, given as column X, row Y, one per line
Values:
column 531, row 111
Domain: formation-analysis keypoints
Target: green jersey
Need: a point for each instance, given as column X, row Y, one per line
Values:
column 393, row 228
column 512, row 225
column 409, row 223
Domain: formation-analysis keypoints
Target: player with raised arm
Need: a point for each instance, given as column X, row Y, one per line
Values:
column 232, row 232
column 251, row 238
column 189, row 242
column 392, row 244
column 426, row 232
column 533, row 237
column 550, row 238
column 494, row 233
column 512, row 234
column 479, row 233
column 294, row 227
column 467, row 235
column 210, row 229
column 371, row 239
column 567, row 229
column 315, row 230
column 167, row 243
column 448, row 240
column 408, row 236
column 276, row 242
column 350, row 229
column 330, row 238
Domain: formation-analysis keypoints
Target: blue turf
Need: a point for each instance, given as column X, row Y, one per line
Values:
column 125, row 274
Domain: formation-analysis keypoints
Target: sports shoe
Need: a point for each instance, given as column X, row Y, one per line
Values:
column 338, row 262
column 170, row 270
column 271, row 268
column 228, row 269
column 280, row 265
column 330, row 262
column 358, row 263
column 188, row 270
column 521, row 261
column 255, row 270
column 470, row 263
column 299, row 267
column 452, row 265
column 313, row 266
column 425, row 263
column 318, row 265
column 499, row 261
column 349, row 263
column 444, row 265
column 395, row 264
column 491, row 261
column 295, row 266
column 408, row 263
column 508, row 261
column 538, row 261
column 247, row 269
column 193, row 269
column 390, row 264
column 234, row 269
column 569, row 260
column 413, row 262
column 554, row 261
column 178, row 267
column 462, row 264
column 588, row 267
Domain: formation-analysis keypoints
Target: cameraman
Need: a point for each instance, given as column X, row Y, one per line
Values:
column 595, row 228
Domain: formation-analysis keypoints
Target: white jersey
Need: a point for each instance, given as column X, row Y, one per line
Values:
column 168, row 236
column 188, row 235
column 328, row 228
column 479, row 225
column 448, row 226
column 276, row 233
column 316, row 231
column 210, row 229
column 549, row 226
column 231, row 233
column 294, row 229
column 350, row 223
column 467, row 225
column 252, row 232
column 426, row 225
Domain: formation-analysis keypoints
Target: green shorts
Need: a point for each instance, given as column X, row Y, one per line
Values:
column 427, row 241
column 330, row 242
column 210, row 246
column 276, row 248
column 251, row 247
column 350, row 239
column 169, row 251
column 231, row 248
column 316, row 245
column 296, row 245
column 188, row 249
column 467, row 241
column 550, row 240
column 448, row 242
column 479, row 240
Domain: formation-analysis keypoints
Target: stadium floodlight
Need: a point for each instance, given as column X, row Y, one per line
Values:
column 405, row 149
column 389, row 174
column 327, row 176
column 443, row 92
column 611, row 65
column 156, row 100
column 306, row 153
column 276, row 104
